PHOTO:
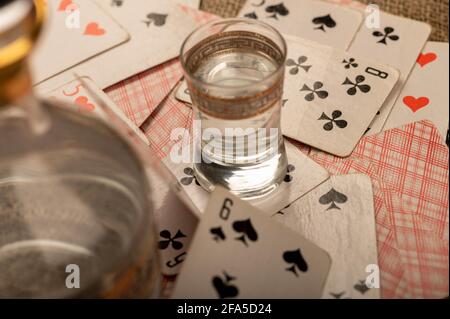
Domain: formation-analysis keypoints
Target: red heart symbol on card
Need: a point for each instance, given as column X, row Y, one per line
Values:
column 426, row 58
column 84, row 104
column 64, row 4
column 415, row 104
column 94, row 29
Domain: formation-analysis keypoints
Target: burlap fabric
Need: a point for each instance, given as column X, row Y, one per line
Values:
column 434, row 12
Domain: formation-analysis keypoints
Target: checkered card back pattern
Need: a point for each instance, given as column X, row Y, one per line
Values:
column 411, row 166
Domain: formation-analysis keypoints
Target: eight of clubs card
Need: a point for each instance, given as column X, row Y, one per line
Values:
column 331, row 96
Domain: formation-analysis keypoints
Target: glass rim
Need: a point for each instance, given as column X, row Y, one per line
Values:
column 229, row 21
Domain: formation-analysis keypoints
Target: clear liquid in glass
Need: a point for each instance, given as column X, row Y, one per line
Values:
column 244, row 172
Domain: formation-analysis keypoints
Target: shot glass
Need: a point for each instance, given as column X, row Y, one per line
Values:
column 234, row 69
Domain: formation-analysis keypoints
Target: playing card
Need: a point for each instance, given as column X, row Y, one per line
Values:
column 141, row 94
column 410, row 166
column 175, row 225
column 338, row 216
column 396, row 42
column 425, row 94
column 350, row 3
column 237, row 252
column 78, row 97
column 74, row 32
column 182, row 92
column 319, row 21
column 302, row 175
column 331, row 96
column 157, row 30
column 191, row 3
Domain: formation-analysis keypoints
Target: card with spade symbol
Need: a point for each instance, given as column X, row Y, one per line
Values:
column 319, row 21
column 238, row 252
column 74, row 32
column 408, row 167
column 158, row 29
column 79, row 98
column 397, row 42
column 301, row 177
column 332, row 96
column 338, row 216
column 425, row 95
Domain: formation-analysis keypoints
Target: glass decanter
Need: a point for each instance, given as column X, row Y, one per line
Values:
column 75, row 209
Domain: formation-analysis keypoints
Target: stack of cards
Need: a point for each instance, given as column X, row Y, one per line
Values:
column 363, row 210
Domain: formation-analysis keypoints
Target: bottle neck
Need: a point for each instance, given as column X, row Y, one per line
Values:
column 15, row 83
column 20, row 23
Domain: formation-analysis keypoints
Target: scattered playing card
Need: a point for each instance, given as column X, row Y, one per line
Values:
column 80, row 99
column 191, row 3
column 338, row 216
column 75, row 31
column 158, row 29
column 301, row 177
column 322, row 22
column 182, row 92
column 279, row 263
column 331, row 96
column 409, row 165
column 175, row 225
column 425, row 94
column 397, row 42
column 141, row 94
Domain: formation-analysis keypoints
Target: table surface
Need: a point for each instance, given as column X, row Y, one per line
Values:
column 434, row 12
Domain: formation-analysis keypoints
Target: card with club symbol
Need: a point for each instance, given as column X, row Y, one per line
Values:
column 279, row 263
column 396, row 42
column 74, row 32
column 77, row 97
column 331, row 96
column 338, row 216
column 425, row 95
column 158, row 28
column 302, row 176
column 319, row 21
column 175, row 226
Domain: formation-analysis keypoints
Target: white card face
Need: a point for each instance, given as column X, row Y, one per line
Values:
column 397, row 43
column 157, row 30
column 192, row 3
column 175, row 225
column 182, row 93
column 319, row 21
column 425, row 95
column 338, row 216
column 302, row 176
column 332, row 96
column 237, row 252
column 74, row 32
column 78, row 97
